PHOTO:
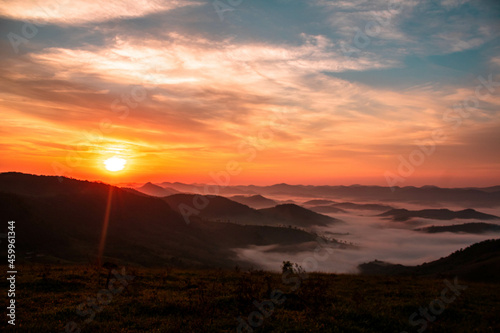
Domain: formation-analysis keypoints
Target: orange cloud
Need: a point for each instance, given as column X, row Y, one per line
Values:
column 79, row 12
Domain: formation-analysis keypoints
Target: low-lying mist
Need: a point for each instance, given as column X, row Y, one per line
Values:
column 374, row 237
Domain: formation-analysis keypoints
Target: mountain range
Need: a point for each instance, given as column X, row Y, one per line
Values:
column 254, row 201
column 61, row 220
column 222, row 209
column 424, row 195
column 470, row 228
column 438, row 214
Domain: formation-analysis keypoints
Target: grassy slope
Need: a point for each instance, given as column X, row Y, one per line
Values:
column 160, row 300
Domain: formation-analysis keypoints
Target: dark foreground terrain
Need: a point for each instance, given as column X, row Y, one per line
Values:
column 50, row 298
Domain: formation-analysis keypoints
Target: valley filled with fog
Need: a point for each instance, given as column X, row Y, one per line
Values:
column 371, row 237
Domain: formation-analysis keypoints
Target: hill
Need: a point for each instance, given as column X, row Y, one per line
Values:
column 425, row 195
column 470, row 228
column 216, row 208
column 438, row 214
column 222, row 209
column 318, row 202
column 254, row 201
column 326, row 209
column 64, row 223
column 478, row 262
column 355, row 206
column 297, row 216
column 155, row 190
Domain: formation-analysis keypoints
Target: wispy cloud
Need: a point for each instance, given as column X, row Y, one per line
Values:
column 212, row 85
column 77, row 12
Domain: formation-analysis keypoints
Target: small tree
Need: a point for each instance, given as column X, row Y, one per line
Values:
column 286, row 266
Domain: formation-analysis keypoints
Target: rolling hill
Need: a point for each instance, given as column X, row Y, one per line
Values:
column 298, row 216
column 478, row 262
column 438, row 214
column 326, row 209
column 222, row 209
column 155, row 190
column 318, row 202
column 425, row 195
column 61, row 220
column 355, row 206
column 254, row 201
column 470, row 228
column 215, row 208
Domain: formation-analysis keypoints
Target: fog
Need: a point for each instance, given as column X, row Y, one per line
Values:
column 374, row 238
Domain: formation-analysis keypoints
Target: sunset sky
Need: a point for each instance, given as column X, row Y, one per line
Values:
column 302, row 92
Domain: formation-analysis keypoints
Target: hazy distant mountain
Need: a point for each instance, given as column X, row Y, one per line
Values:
column 318, row 202
column 155, row 190
column 217, row 208
column 184, row 188
column 425, row 195
column 61, row 219
column 326, row 209
column 470, row 228
column 291, row 214
column 341, row 206
column 200, row 188
column 437, row 214
column 490, row 189
column 480, row 262
column 133, row 190
column 350, row 205
column 254, row 201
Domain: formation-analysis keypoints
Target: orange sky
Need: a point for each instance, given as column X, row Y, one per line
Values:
column 180, row 94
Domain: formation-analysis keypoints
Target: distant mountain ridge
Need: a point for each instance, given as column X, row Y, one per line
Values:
column 225, row 210
column 470, row 228
column 61, row 219
column 438, row 214
column 472, row 197
column 155, row 190
column 255, row 201
column 329, row 209
column 297, row 215
column 355, row 206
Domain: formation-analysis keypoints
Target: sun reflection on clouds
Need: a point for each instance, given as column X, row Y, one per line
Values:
column 85, row 11
column 205, row 88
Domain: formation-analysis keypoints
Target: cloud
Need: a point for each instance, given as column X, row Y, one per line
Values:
column 67, row 12
column 212, row 95
column 211, row 85
column 376, row 239
column 398, row 29
column 496, row 61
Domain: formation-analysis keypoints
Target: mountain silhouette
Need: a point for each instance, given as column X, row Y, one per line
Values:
column 355, row 206
column 470, row 228
column 216, row 208
column 326, row 209
column 438, row 214
column 318, row 202
column 155, row 190
column 254, row 201
column 297, row 216
column 425, row 195
column 222, row 209
column 478, row 262
column 61, row 220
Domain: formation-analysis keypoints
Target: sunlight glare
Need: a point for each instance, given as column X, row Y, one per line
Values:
column 115, row 164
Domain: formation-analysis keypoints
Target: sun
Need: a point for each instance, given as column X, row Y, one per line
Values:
column 115, row 164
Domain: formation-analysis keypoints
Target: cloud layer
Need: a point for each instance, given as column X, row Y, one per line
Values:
column 183, row 92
